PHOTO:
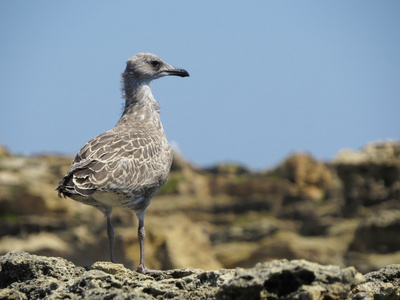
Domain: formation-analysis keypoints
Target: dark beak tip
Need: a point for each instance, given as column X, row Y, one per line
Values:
column 177, row 72
column 182, row 73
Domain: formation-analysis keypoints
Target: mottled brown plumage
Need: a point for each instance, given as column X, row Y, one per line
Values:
column 126, row 165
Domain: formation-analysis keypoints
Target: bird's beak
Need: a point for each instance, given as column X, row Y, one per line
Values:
column 176, row 72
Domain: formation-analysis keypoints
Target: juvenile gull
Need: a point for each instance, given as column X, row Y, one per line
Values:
column 126, row 165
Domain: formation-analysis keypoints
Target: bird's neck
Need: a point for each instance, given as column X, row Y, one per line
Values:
column 140, row 105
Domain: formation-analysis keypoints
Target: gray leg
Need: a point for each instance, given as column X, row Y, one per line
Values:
column 141, row 236
column 110, row 233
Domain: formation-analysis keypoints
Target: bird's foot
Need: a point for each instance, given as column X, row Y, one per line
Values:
column 142, row 269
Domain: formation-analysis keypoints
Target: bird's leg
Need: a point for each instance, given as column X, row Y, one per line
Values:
column 110, row 233
column 141, row 236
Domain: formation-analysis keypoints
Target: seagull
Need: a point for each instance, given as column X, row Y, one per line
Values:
column 128, row 164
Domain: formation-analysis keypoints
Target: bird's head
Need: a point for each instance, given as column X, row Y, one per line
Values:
column 146, row 67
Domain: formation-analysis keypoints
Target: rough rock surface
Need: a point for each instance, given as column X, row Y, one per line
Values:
column 344, row 212
column 383, row 285
column 27, row 276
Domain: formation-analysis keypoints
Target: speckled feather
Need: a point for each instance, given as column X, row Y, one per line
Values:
column 129, row 163
column 132, row 165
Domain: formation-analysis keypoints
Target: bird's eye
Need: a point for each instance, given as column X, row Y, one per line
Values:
column 155, row 63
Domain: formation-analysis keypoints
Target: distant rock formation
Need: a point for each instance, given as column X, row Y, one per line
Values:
column 345, row 212
column 371, row 177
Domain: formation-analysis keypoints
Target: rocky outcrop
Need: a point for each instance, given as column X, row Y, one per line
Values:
column 26, row 276
column 345, row 213
column 371, row 177
column 383, row 285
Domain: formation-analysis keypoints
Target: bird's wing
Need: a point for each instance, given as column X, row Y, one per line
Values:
column 118, row 162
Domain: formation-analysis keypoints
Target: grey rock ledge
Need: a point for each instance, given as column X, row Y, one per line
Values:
column 26, row 276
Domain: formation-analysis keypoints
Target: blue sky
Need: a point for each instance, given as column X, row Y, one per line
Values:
column 268, row 78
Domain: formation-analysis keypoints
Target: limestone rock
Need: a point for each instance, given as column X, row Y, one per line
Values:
column 378, row 233
column 310, row 176
column 383, row 285
column 345, row 212
column 26, row 276
column 387, row 152
column 371, row 177
column 297, row 279
column 4, row 151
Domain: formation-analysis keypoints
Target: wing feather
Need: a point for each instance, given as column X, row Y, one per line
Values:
column 127, row 163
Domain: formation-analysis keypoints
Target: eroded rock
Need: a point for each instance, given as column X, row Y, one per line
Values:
column 383, row 285
column 26, row 276
column 345, row 212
